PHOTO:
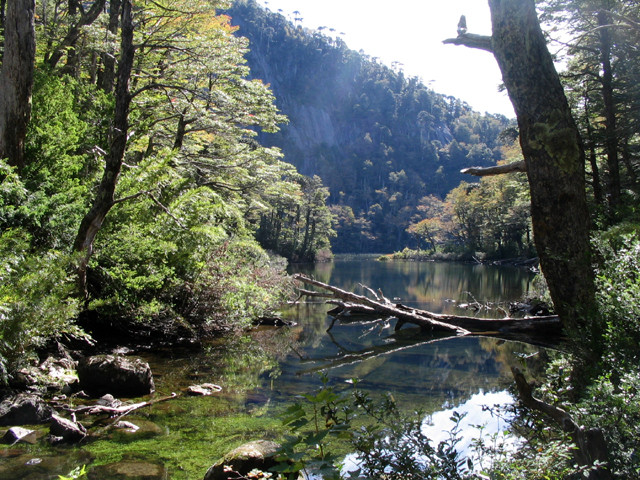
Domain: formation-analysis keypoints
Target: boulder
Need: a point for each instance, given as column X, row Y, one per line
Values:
column 116, row 375
column 253, row 455
column 68, row 430
column 19, row 435
column 24, row 409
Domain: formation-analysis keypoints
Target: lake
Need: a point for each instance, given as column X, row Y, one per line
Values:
column 261, row 371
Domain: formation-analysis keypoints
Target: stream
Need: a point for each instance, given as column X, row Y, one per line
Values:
column 261, row 372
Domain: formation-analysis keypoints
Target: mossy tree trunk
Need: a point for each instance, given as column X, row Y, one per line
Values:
column 553, row 153
column 554, row 157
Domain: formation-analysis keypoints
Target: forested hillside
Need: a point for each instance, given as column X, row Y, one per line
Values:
column 132, row 185
column 380, row 141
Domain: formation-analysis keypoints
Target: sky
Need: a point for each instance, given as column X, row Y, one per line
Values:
column 411, row 32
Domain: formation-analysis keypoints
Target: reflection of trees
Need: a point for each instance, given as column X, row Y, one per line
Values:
column 427, row 283
column 415, row 369
column 509, row 354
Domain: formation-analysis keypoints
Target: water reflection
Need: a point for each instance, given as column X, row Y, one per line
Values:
column 415, row 368
column 482, row 420
column 435, row 286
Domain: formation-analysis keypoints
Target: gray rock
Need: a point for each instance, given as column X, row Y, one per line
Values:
column 259, row 454
column 19, row 435
column 204, row 389
column 70, row 431
column 116, row 375
column 24, row 409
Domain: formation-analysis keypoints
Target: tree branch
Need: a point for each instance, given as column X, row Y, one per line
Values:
column 496, row 170
column 590, row 446
column 472, row 40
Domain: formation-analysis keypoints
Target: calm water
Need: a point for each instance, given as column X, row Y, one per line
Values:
column 418, row 368
column 261, row 371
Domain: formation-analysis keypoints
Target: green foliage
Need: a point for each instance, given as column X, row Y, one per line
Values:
column 35, row 300
column 618, row 285
column 392, row 445
column 388, row 443
column 490, row 218
column 308, row 449
column 299, row 224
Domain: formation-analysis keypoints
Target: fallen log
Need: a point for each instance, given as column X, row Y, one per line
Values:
column 387, row 309
column 459, row 325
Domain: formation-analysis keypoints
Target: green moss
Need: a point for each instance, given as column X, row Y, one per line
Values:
column 188, row 444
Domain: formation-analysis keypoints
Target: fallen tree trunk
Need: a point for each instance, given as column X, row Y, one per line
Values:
column 459, row 325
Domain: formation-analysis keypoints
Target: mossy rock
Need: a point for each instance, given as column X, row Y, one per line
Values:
column 253, row 455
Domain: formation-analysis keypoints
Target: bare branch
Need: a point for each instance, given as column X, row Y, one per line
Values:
column 472, row 40
column 166, row 210
column 496, row 170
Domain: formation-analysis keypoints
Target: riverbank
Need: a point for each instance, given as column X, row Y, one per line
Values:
column 478, row 257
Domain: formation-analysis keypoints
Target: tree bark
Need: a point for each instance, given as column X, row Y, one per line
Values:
column 611, row 142
column 105, row 196
column 16, row 79
column 554, row 157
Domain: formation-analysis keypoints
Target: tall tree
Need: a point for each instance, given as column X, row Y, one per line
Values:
column 603, row 68
column 105, row 195
column 553, row 153
column 16, row 78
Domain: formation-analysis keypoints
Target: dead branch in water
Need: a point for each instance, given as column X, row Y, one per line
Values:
column 456, row 324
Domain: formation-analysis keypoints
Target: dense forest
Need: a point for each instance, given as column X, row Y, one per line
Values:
column 133, row 184
column 381, row 142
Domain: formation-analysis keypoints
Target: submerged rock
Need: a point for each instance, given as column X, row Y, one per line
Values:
column 129, row 470
column 116, row 375
column 253, row 455
column 204, row 389
column 24, row 409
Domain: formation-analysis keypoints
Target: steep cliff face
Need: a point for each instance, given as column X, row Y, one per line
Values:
column 379, row 141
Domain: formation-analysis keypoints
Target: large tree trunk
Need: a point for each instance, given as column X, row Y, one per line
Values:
column 16, row 79
column 553, row 154
column 105, row 195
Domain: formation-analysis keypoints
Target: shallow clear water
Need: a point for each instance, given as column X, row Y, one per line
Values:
column 261, row 371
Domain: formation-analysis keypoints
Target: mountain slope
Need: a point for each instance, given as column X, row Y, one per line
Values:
column 378, row 140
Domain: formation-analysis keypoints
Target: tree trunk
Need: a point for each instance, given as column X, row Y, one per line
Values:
column 593, row 158
column 105, row 196
column 610, row 142
column 107, row 75
column 554, row 156
column 349, row 302
column 16, row 79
